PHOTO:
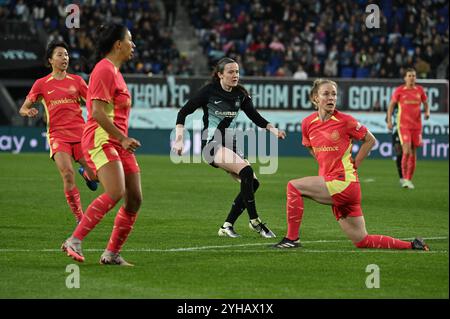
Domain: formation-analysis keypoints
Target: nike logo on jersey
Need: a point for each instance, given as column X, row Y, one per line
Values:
column 50, row 92
column 217, row 102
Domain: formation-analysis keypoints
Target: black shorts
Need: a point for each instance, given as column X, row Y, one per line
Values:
column 209, row 154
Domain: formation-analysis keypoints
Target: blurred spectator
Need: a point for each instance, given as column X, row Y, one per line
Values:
column 422, row 68
column 170, row 8
column 155, row 53
column 325, row 36
column 300, row 74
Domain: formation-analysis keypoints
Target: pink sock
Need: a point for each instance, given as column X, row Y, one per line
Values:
column 294, row 211
column 123, row 225
column 73, row 199
column 405, row 164
column 93, row 215
column 381, row 241
column 411, row 166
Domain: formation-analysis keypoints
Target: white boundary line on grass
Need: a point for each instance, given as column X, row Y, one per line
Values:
column 218, row 247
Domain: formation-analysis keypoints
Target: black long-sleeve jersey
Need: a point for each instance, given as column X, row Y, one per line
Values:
column 220, row 109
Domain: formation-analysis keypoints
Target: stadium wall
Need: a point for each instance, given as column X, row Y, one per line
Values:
column 282, row 93
column 157, row 141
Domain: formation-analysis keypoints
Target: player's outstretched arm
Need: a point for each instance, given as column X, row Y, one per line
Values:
column 278, row 133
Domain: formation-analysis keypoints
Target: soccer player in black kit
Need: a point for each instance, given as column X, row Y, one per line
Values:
column 397, row 146
column 221, row 101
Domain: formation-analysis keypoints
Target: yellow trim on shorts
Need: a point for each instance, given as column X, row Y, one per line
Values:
column 101, row 137
column 337, row 186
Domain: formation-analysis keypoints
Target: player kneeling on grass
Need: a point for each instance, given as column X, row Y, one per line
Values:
column 328, row 135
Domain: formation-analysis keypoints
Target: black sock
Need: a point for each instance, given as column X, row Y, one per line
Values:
column 247, row 191
column 238, row 205
column 399, row 165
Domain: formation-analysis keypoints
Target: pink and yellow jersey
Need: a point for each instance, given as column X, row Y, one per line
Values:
column 331, row 142
column 61, row 100
column 409, row 101
column 106, row 84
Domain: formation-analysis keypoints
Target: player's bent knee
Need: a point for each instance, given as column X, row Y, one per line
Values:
column 291, row 189
column 68, row 175
column 246, row 174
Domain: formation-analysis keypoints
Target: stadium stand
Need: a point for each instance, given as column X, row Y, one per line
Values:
column 156, row 51
column 268, row 34
column 269, row 37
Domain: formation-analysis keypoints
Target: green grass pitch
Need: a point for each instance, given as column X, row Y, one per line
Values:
column 178, row 254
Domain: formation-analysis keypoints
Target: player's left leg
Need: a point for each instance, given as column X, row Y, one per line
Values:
column 313, row 187
column 127, row 214
column 63, row 161
column 355, row 229
column 416, row 142
column 237, row 208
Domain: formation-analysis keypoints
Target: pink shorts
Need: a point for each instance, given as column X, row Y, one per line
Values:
column 109, row 152
column 348, row 202
column 413, row 137
column 73, row 149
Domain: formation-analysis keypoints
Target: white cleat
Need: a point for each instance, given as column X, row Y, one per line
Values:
column 228, row 231
column 408, row 184
column 110, row 258
column 262, row 229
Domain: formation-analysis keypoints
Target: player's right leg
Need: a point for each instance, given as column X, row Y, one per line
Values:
column 237, row 208
column 313, row 187
column 85, row 171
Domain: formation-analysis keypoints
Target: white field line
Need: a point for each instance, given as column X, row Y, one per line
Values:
column 218, row 247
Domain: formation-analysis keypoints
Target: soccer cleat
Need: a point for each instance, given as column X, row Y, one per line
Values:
column 228, row 232
column 110, row 258
column 419, row 244
column 262, row 229
column 287, row 243
column 92, row 185
column 401, row 181
column 407, row 184
column 72, row 247
column 410, row 185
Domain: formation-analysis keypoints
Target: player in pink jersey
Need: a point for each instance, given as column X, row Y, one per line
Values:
column 328, row 135
column 409, row 98
column 61, row 93
column 108, row 149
